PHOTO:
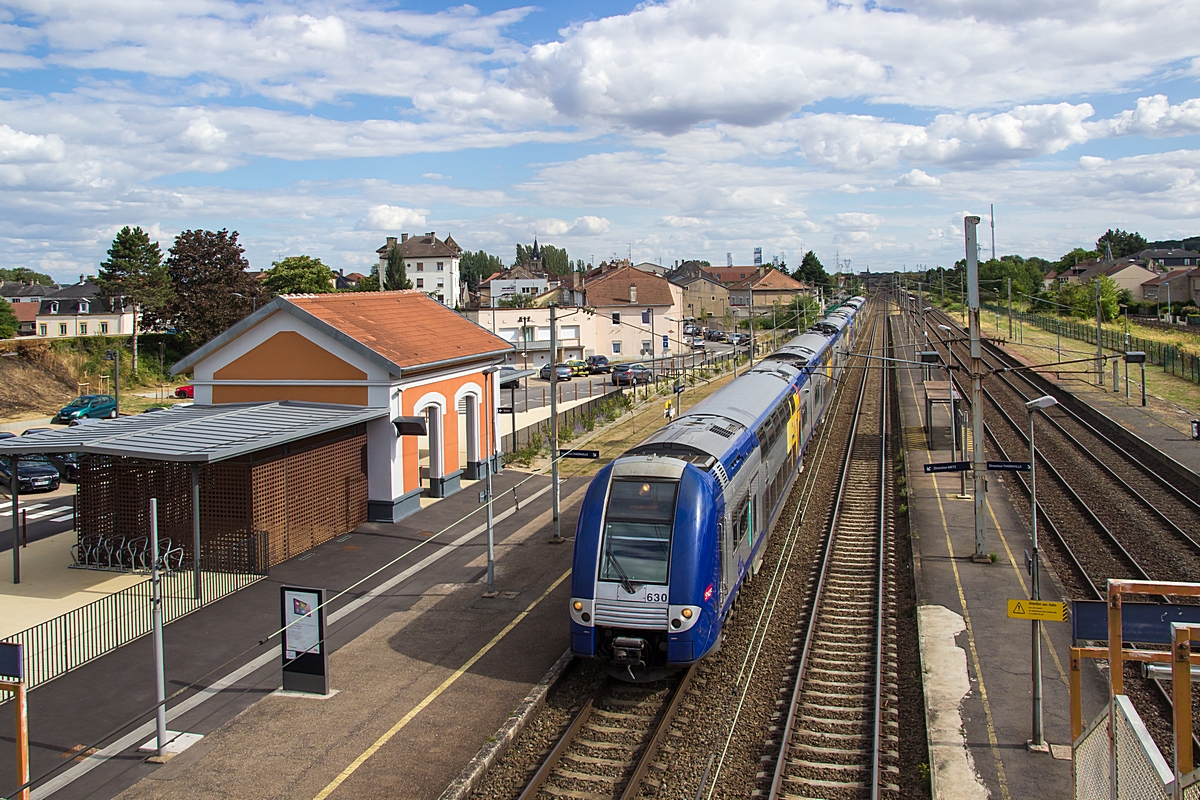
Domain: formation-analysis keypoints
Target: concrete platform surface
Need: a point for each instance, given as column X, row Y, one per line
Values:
column 419, row 622
column 976, row 661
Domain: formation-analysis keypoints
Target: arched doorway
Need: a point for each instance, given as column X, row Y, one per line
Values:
column 468, row 436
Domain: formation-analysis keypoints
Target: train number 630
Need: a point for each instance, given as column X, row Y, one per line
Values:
column 656, row 597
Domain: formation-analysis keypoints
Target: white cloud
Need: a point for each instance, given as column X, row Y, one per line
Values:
column 1155, row 116
column 916, row 177
column 391, row 218
column 589, row 226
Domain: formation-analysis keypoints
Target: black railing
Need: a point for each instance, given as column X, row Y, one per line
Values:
column 71, row 640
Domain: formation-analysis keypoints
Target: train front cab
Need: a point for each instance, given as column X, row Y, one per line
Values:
column 645, row 576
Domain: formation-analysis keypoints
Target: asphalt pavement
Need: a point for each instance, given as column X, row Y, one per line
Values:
column 44, row 513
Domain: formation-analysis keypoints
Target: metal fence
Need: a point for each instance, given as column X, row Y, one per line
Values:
column 1172, row 359
column 1141, row 770
column 71, row 640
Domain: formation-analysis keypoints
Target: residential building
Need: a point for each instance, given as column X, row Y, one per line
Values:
column 1170, row 257
column 430, row 263
column 18, row 292
column 528, row 331
column 26, row 318
column 634, row 310
column 420, row 365
column 768, row 287
column 652, row 268
column 730, row 275
column 80, row 310
column 1194, row 277
column 1174, row 287
column 509, row 283
column 1127, row 273
column 703, row 297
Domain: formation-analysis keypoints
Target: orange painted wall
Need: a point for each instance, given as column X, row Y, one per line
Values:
column 289, row 356
column 346, row 395
column 450, row 445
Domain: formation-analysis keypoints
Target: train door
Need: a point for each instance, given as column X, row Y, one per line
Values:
column 728, row 562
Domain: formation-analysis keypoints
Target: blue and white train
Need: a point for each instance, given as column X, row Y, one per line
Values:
column 669, row 531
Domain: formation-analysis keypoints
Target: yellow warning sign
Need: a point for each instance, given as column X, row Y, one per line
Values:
column 1045, row 610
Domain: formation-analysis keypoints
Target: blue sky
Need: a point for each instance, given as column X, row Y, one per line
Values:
column 682, row 129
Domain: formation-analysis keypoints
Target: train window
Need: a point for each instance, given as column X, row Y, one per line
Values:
column 637, row 532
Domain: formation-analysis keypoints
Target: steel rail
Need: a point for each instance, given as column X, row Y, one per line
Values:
column 818, row 596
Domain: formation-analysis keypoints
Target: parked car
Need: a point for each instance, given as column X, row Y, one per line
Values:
column 578, row 367
column 67, row 465
column 75, row 423
column 188, row 391
column 598, row 364
column 631, row 374
column 7, row 435
column 564, row 372
column 35, row 473
column 31, row 431
column 93, row 406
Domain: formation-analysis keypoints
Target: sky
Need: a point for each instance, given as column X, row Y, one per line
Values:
column 662, row 130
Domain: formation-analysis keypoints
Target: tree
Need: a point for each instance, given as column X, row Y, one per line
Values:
column 811, row 270
column 516, row 301
column 134, row 276
column 394, row 277
column 25, row 275
column 555, row 260
column 1076, row 256
column 1027, row 277
column 8, row 320
column 1123, row 243
column 475, row 267
column 213, row 290
column 299, row 275
column 368, row 284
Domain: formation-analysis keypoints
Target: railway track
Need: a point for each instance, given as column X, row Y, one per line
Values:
column 841, row 734
column 607, row 749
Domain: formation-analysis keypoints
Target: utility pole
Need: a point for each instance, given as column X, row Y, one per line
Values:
column 557, row 537
column 992, row 216
column 751, row 326
column 1099, row 339
column 1010, row 309
column 979, row 466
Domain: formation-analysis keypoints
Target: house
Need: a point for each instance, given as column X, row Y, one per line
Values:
column 345, row 283
column 528, row 331
column 80, row 310
column 730, row 275
column 20, row 292
column 703, row 296
column 1169, row 287
column 507, row 284
column 26, row 318
column 430, row 263
column 1127, row 273
column 1170, row 257
column 768, row 288
column 634, row 310
column 652, row 268
column 422, row 367
column 1194, row 277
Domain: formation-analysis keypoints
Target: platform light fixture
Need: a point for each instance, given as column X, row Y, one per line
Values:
column 1038, row 739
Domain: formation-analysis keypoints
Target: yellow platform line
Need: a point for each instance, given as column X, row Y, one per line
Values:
column 435, row 694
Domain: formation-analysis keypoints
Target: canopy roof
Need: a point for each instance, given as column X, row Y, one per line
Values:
column 196, row 434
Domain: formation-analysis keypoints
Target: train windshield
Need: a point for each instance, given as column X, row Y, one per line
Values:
column 637, row 532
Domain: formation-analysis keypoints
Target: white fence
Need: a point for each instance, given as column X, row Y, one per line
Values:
column 1140, row 770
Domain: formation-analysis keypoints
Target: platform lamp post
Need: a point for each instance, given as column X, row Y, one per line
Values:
column 1038, row 741
column 491, row 463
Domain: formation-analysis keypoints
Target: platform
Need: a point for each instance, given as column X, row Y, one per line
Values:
column 975, row 660
column 424, row 666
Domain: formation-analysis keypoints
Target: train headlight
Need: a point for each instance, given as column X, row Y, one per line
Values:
column 683, row 617
column 582, row 610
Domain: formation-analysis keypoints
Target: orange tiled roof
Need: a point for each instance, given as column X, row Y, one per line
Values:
column 408, row 328
column 612, row 288
column 770, row 279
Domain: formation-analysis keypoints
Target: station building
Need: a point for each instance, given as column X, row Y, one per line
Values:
column 419, row 365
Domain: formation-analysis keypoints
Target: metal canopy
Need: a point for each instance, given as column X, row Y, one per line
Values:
column 197, row 434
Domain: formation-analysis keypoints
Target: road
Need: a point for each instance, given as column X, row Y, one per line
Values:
column 46, row 514
column 535, row 392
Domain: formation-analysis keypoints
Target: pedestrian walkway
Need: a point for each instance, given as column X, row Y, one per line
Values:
column 976, row 661
column 414, row 644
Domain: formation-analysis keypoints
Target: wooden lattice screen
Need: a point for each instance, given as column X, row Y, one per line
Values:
column 305, row 499
column 301, row 499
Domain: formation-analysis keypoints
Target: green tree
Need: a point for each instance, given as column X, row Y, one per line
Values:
column 394, row 275
column 299, row 275
column 477, row 266
column 1076, row 256
column 1123, row 243
column 1080, row 298
column 25, row 275
column 1027, row 277
column 516, row 301
column 368, row 284
column 8, row 320
column 811, row 270
column 213, row 290
column 134, row 276
column 555, row 260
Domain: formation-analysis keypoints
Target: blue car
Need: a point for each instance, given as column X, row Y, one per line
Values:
column 88, row 406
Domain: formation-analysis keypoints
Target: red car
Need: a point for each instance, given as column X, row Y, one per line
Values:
column 186, row 391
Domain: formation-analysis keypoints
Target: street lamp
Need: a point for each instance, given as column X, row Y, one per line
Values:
column 1038, row 741
column 491, row 463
